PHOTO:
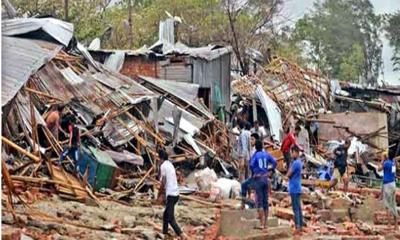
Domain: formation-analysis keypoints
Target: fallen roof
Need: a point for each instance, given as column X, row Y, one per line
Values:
column 295, row 89
column 187, row 92
column 59, row 30
column 22, row 58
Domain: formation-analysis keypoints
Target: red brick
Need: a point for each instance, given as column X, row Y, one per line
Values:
column 284, row 213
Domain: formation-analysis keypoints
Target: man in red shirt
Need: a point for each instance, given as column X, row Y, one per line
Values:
column 288, row 142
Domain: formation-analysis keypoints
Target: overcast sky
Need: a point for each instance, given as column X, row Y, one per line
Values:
column 295, row 9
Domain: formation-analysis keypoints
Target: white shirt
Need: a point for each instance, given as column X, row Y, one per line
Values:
column 171, row 184
column 260, row 131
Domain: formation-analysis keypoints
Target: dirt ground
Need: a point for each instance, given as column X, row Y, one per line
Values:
column 117, row 221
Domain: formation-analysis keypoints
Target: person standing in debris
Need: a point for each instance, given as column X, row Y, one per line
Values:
column 294, row 175
column 244, row 149
column 314, row 127
column 169, row 187
column 287, row 143
column 253, row 139
column 53, row 120
column 248, row 183
column 389, row 186
column 340, row 170
column 74, row 142
column 259, row 167
column 259, row 129
column 303, row 139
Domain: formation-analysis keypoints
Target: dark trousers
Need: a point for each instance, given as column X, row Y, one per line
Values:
column 296, row 205
column 169, row 215
column 72, row 152
column 246, row 185
column 261, row 187
column 286, row 156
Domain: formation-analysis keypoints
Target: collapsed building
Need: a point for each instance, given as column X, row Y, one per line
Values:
column 121, row 119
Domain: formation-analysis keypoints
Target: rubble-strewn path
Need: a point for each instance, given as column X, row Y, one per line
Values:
column 118, row 221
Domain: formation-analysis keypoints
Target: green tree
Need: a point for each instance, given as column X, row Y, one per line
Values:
column 241, row 24
column 392, row 28
column 339, row 32
column 351, row 65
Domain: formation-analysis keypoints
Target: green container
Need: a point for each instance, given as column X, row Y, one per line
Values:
column 101, row 167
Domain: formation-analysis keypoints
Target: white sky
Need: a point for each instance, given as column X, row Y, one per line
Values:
column 295, row 9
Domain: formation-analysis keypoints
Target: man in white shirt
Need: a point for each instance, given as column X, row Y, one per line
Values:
column 244, row 149
column 169, row 185
column 259, row 129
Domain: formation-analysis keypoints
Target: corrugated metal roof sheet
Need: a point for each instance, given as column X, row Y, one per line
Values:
column 59, row 30
column 185, row 91
column 99, row 92
column 208, row 53
column 21, row 58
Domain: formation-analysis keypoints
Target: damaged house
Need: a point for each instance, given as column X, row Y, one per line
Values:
column 208, row 66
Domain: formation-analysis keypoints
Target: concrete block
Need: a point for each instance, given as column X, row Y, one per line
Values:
column 280, row 232
column 237, row 223
column 273, row 222
column 242, row 223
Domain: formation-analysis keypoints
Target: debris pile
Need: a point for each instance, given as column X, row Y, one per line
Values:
column 109, row 185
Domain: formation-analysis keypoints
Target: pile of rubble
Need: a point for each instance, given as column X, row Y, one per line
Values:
column 124, row 120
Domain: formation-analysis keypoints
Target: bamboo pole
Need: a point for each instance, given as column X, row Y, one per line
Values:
column 44, row 180
column 19, row 149
column 43, row 94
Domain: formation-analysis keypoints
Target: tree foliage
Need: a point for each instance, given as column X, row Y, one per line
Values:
column 392, row 28
column 342, row 39
column 241, row 24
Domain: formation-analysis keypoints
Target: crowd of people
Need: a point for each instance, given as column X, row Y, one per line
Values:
column 256, row 166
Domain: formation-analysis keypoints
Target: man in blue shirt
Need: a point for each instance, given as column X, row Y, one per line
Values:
column 294, row 175
column 248, row 183
column 259, row 167
column 389, row 185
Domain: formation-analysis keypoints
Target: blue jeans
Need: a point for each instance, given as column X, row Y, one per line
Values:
column 73, row 152
column 296, row 205
column 246, row 185
column 261, row 186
